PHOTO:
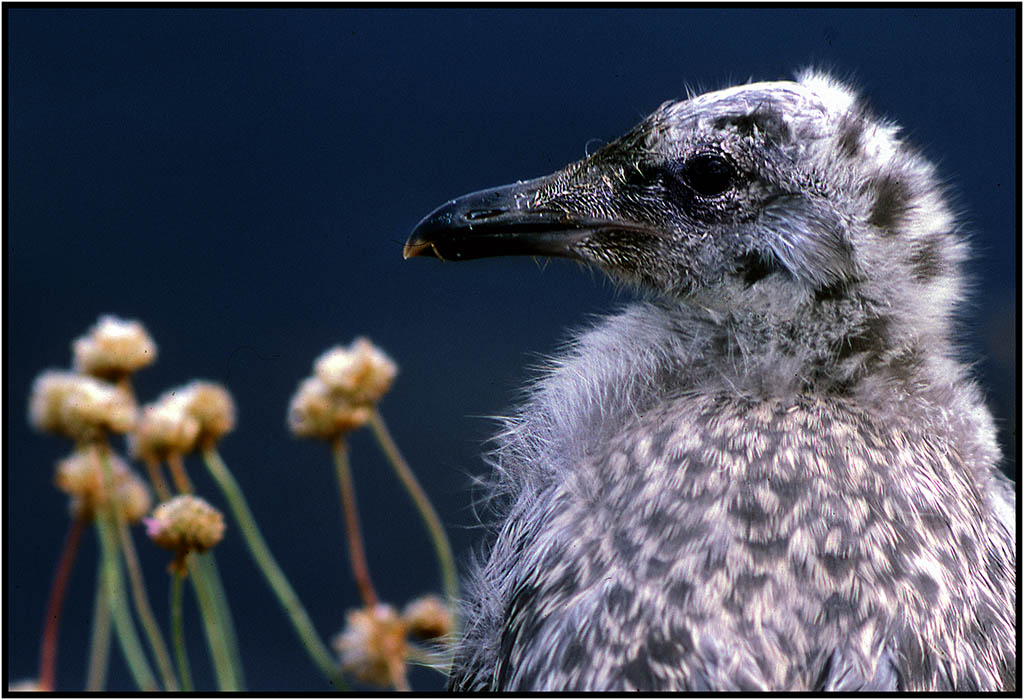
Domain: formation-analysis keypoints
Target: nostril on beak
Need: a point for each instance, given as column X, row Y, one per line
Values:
column 477, row 214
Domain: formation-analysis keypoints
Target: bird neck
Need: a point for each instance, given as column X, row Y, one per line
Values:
column 659, row 350
column 653, row 353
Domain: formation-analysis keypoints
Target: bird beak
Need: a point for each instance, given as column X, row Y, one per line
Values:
column 499, row 221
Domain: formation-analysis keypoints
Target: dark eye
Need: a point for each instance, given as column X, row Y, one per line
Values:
column 708, row 174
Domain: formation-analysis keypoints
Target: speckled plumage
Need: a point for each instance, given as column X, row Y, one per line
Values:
column 774, row 472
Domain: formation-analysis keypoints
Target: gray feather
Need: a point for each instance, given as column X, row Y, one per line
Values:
column 774, row 472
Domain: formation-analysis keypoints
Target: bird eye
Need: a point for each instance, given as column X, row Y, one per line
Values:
column 708, row 174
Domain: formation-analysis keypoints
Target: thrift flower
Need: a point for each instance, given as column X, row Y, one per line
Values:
column 340, row 397
column 165, row 427
column 48, row 392
column 185, row 523
column 315, row 412
column 114, row 348
column 372, row 644
column 81, row 477
column 94, row 406
column 428, row 617
column 212, row 407
column 79, row 407
column 361, row 373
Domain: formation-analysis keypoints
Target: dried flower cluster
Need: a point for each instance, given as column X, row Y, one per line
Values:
column 81, row 477
column 164, row 428
column 182, row 419
column 375, row 642
column 79, row 407
column 428, row 618
column 372, row 646
column 362, row 372
column 82, row 406
column 185, row 524
column 341, row 395
column 212, row 407
column 95, row 401
column 114, row 348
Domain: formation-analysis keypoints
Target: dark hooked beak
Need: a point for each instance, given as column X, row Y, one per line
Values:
column 498, row 221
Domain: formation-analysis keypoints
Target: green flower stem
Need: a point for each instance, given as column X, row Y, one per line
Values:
column 360, row 569
column 225, row 622
column 271, row 571
column 99, row 639
column 178, row 632
column 139, row 597
column 124, row 626
column 427, row 512
column 217, row 622
column 215, row 638
column 144, row 610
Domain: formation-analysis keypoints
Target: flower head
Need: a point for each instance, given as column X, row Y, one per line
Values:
column 81, row 477
column 79, row 406
column 372, row 647
column 94, row 406
column 185, row 523
column 340, row 397
column 362, row 373
column 114, row 348
column 133, row 498
column 318, row 413
column 428, row 617
column 48, row 392
column 164, row 428
column 211, row 405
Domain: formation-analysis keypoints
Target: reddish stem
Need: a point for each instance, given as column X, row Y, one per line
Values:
column 159, row 485
column 399, row 679
column 178, row 473
column 48, row 647
column 360, row 570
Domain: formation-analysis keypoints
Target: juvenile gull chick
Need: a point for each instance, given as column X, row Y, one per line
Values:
column 773, row 473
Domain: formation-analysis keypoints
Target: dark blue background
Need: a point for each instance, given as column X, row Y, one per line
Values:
column 242, row 180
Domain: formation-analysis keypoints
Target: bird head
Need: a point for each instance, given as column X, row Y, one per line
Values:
column 782, row 198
